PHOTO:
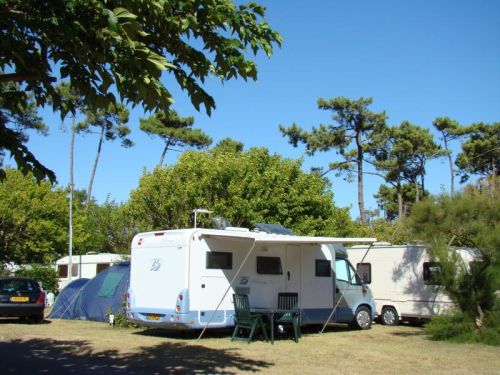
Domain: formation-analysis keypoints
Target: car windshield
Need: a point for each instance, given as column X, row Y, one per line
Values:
column 14, row 285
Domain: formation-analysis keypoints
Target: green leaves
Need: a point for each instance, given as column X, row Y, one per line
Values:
column 102, row 46
column 471, row 220
column 244, row 187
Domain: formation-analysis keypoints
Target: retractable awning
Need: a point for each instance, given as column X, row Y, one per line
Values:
column 266, row 238
column 261, row 238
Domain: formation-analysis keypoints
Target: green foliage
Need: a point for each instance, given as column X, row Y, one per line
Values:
column 175, row 131
column 245, row 188
column 46, row 275
column 469, row 220
column 450, row 130
column 18, row 114
column 401, row 153
column 459, row 327
column 120, row 316
column 111, row 121
column 228, row 145
column 353, row 126
column 109, row 228
column 387, row 200
column 480, row 153
column 33, row 220
column 383, row 230
column 103, row 47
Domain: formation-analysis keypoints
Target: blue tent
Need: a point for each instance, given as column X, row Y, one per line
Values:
column 99, row 296
column 65, row 306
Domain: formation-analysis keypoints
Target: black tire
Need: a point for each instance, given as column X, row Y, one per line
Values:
column 37, row 318
column 362, row 318
column 389, row 316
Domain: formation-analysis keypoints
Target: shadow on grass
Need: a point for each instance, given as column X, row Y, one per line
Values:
column 414, row 333
column 22, row 321
column 38, row 356
column 190, row 335
column 185, row 335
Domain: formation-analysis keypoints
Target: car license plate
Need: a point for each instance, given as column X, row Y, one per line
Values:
column 19, row 299
column 153, row 317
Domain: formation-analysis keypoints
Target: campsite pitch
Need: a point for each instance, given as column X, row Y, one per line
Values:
column 81, row 347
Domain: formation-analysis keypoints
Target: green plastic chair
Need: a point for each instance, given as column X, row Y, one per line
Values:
column 290, row 301
column 245, row 320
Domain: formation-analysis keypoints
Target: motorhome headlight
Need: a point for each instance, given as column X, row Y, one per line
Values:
column 177, row 309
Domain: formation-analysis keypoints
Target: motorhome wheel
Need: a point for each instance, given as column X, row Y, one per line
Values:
column 362, row 318
column 390, row 316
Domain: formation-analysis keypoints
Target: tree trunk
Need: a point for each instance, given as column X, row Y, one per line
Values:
column 450, row 162
column 400, row 200
column 99, row 147
column 71, row 188
column 167, row 145
column 493, row 184
column 416, row 190
column 359, row 162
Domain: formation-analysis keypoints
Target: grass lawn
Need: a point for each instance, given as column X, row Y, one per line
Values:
column 77, row 347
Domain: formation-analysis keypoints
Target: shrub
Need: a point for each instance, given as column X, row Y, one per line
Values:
column 45, row 275
column 460, row 327
column 120, row 319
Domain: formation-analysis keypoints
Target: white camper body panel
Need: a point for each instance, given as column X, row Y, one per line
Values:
column 172, row 284
column 397, row 279
column 85, row 266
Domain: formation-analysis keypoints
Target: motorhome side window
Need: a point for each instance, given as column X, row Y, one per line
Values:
column 432, row 273
column 323, row 268
column 365, row 272
column 269, row 266
column 219, row 260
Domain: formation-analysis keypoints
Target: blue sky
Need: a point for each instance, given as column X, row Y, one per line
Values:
column 417, row 59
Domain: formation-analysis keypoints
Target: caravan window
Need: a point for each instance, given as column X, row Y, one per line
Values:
column 219, row 260
column 62, row 271
column 269, row 266
column 101, row 267
column 432, row 273
column 323, row 268
column 365, row 271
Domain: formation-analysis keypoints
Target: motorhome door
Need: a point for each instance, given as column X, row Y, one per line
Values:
column 292, row 269
column 348, row 290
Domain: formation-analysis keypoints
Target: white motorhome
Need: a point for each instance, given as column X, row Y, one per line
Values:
column 85, row 266
column 185, row 279
column 403, row 279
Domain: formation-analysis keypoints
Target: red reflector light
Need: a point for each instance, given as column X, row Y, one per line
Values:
column 41, row 298
column 181, row 297
column 159, row 234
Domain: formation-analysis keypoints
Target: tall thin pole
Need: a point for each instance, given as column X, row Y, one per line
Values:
column 71, row 187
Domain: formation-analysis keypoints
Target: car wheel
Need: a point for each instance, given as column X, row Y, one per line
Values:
column 362, row 318
column 389, row 316
column 37, row 318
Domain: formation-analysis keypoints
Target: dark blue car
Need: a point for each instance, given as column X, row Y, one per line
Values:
column 21, row 297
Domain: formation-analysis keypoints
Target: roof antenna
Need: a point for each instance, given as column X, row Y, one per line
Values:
column 200, row 211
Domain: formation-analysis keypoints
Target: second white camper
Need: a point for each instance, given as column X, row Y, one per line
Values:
column 185, row 279
column 404, row 280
